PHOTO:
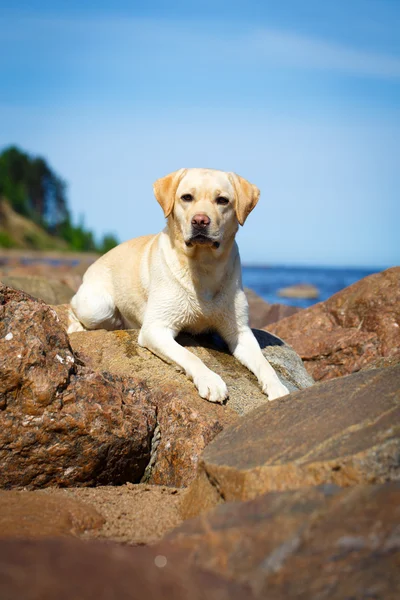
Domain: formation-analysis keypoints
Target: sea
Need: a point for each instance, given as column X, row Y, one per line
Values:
column 267, row 281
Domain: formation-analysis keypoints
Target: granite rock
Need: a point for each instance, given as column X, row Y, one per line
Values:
column 352, row 329
column 61, row 423
column 316, row 542
column 68, row 568
column 345, row 431
column 118, row 352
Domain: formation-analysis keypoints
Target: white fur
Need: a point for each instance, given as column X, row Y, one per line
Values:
column 162, row 285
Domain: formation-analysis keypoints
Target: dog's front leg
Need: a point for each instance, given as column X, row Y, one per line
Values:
column 246, row 349
column 160, row 340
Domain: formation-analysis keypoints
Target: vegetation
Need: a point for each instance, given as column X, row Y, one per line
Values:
column 36, row 192
column 6, row 240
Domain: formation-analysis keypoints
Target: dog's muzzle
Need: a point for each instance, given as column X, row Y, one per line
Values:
column 201, row 239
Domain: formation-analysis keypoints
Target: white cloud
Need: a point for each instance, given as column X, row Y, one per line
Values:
column 294, row 50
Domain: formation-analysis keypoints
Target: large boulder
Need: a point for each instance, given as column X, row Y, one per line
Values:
column 61, row 423
column 345, row 431
column 350, row 330
column 323, row 542
column 71, row 569
column 118, row 352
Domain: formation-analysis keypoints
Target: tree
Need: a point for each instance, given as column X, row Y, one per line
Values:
column 31, row 186
column 36, row 191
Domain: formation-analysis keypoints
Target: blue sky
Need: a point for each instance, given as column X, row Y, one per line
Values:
column 302, row 98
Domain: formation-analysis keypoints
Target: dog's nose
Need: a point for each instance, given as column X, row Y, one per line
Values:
column 200, row 221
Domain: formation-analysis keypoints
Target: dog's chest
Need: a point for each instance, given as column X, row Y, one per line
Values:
column 197, row 312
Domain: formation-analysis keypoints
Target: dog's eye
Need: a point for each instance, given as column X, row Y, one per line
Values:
column 222, row 200
column 187, row 197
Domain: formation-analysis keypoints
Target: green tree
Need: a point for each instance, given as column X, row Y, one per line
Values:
column 37, row 192
column 108, row 242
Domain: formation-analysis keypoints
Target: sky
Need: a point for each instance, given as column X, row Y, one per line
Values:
column 302, row 98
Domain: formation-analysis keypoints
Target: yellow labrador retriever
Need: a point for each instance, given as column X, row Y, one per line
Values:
column 188, row 277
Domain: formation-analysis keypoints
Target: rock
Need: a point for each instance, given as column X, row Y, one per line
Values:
column 323, row 542
column 350, row 330
column 263, row 313
column 383, row 362
column 49, row 290
column 187, row 423
column 36, row 514
column 67, row 568
column 300, row 290
column 118, row 352
column 344, row 431
column 63, row 314
column 131, row 514
column 60, row 423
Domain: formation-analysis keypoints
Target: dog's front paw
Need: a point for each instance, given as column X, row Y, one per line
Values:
column 211, row 386
column 275, row 389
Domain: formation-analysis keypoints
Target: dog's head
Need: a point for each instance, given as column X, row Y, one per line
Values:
column 206, row 204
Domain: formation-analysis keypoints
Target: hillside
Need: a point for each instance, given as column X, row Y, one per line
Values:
column 34, row 211
column 17, row 231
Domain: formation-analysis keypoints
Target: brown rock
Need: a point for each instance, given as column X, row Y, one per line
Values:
column 350, row 330
column 383, row 363
column 62, row 424
column 50, row 291
column 186, row 422
column 344, row 431
column 72, row 569
column 300, row 290
column 186, row 425
column 118, row 352
column 36, row 514
column 263, row 313
column 62, row 312
column 323, row 542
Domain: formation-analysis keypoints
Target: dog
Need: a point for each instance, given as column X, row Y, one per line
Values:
column 188, row 277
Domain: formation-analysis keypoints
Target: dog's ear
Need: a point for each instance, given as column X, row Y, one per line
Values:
column 165, row 190
column 247, row 196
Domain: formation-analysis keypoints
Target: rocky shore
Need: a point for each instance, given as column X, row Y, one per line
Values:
column 100, row 441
